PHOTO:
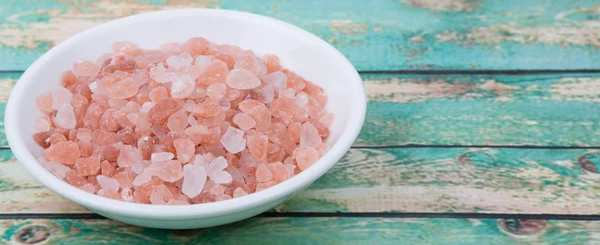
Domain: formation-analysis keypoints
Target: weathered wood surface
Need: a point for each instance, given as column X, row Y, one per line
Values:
column 456, row 180
column 374, row 35
column 539, row 110
column 308, row 231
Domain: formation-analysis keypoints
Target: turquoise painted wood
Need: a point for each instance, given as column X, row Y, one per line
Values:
column 374, row 35
column 308, row 231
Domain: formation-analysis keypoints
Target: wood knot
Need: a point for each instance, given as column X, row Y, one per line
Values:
column 588, row 162
column 523, row 227
column 32, row 234
column 475, row 158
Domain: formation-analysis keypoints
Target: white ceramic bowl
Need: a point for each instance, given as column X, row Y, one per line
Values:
column 299, row 50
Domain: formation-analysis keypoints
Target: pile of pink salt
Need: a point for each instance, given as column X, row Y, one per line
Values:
column 186, row 123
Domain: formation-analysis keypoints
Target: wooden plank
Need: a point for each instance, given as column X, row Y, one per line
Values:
column 405, row 34
column 308, row 231
column 540, row 110
column 454, row 180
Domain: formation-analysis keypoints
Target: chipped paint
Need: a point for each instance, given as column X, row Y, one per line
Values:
column 413, row 90
column 6, row 86
column 65, row 23
column 348, row 27
column 577, row 89
column 444, row 5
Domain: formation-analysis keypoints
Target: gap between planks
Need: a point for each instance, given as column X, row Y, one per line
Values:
column 270, row 214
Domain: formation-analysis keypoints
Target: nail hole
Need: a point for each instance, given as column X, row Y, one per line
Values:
column 32, row 234
column 522, row 227
column 589, row 162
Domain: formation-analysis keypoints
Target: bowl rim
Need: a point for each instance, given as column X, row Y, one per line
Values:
column 184, row 212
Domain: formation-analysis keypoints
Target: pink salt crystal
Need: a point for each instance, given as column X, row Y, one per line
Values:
column 107, row 183
column 290, row 167
column 306, row 156
column 177, row 122
column 161, row 157
column 278, row 134
column 215, row 72
column 263, row 174
column 209, row 108
column 107, row 168
column 244, row 121
column 277, row 79
column 242, row 79
column 203, row 60
column 194, row 178
column 85, row 68
column 283, row 108
column 145, row 108
column 171, row 171
column 192, row 120
column 156, row 198
column 44, row 103
column 182, row 87
column 216, row 90
column 127, row 194
column 216, row 173
column 123, row 89
column 239, row 192
column 327, row 119
column 257, row 145
column 158, row 93
column 109, row 121
column 280, row 172
column 217, row 190
column 271, row 62
column 60, row 96
column 309, row 136
column 108, row 193
column 117, row 103
column 264, row 185
column 125, row 47
column 179, row 61
column 64, row 152
column 265, row 94
column 65, row 117
column 128, row 155
column 302, row 99
column 143, row 178
column 247, row 62
column 177, row 202
column 162, row 110
column 125, row 179
column 59, row 170
column 159, row 74
column 90, row 188
column 185, row 149
column 189, row 106
column 87, row 166
column 236, row 175
column 42, row 125
column 222, row 197
column 233, row 140
column 57, row 137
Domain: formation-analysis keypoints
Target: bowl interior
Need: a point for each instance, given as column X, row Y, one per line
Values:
column 309, row 56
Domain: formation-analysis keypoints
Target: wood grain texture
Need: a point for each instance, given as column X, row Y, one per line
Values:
column 538, row 110
column 308, row 231
column 434, row 180
column 403, row 34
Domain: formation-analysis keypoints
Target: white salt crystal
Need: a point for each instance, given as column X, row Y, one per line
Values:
column 194, row 178
column 158, row 157
column 65, row 117
column 233, row 140
column 179, row 61
column 107, row 183
column 60, row 96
